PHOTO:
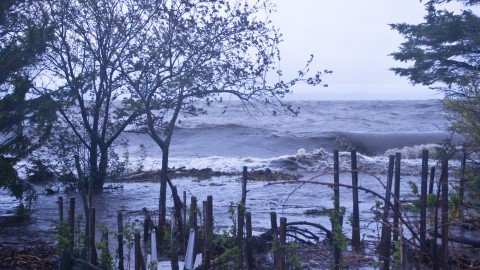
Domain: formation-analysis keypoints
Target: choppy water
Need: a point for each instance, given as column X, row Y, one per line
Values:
column 228, row 141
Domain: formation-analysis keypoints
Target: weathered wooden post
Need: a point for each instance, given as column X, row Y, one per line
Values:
column 337, row 226
column 432, row 180
column 71, row 222
column 336, row 181
column 185, row 228
column 244, row 186
column 92, row 252
column 273, row 222
column 434, row 249
column 355, row 210
column 193, row 213
column 240, row 221
column 120, row 240
column 385, row 241
column 336, row 220
column 146, row 224
column 193, row 222
column 461, row 191
column 139, row 261
column 445, row 227
column 60, row 210
column 281, row 262
column 178, row 210
column 423, row 205
column 396, row 193
column 208, row 221
column 106, row 251
column 174, row 241
column 249, row 248
column 210, row 214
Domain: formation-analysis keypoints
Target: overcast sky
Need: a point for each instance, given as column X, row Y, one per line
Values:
column 353, row 39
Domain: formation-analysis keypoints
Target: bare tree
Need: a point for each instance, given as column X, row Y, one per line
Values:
column 198, row 52
column 81, row 72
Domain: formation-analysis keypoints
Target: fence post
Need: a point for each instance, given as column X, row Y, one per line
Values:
column 423, row 205
column 445, row 227
column 281, row 263
column 193, row 213
column 92, row 252
column 184, row 233
column 60, row 210
column 174, row 241
column 355, row 211
column 336, row 220
column 240, row 221
column 273, row 222
column 385, row 241
column 248, row 218
column 432, row 180
column 208, row 221
column 396, row 192
column 244, row 186
column 71, row 222
column 139, row 261
column 461, row 191
column 120, row 240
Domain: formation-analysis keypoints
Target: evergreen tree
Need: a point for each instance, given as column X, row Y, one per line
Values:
column 445, row 53
column 443, row 49
column 25, row 118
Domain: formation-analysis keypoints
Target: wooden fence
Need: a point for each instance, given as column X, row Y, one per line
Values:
column 392, row 219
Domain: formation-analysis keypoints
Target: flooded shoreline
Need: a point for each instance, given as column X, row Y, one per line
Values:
column 290, row 200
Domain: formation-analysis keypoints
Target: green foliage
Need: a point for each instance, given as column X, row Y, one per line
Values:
column 118, row 166
column 225, row 243
column 377, row 210
column 152, row 265
column 21, row 190
column 39, row 172
column 293, row 261
column 230, row 252
column 9, row 177
column 318, row 212
column 445, row 150
column 143, row 155
column 233, row 218
column 62, row 237
column 339, row 238
column 80, row 239
column 106, row 260
column 129, row 230
column 463, row 109
column 24, row 32
column 411, row 207
column 455, row 207
column 413, row 187
column 396, row 253
column 431, row 200
column 442, row 48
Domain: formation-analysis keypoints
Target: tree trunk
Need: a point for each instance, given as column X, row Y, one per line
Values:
column 97, row 168
column 93, row 160
column 102, row 169
column 163, row 194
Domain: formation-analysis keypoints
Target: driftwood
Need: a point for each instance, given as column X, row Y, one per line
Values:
column 458, row 239
column 301, row 235
column 318, row 226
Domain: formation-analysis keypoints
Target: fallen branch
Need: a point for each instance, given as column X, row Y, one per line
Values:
column 459, row 239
